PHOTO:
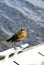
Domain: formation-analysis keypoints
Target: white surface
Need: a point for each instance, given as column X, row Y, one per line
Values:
column 7, row 60
column 29, row 57
column 25, row 45
column 7, row 63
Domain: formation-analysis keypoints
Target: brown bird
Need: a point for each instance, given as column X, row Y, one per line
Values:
column 19, row 36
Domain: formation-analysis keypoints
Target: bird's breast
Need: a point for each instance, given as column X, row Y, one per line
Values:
column 22, row 35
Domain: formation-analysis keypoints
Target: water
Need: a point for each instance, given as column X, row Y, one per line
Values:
column 15, row 14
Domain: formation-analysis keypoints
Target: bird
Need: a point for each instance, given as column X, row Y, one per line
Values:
column 18, row 36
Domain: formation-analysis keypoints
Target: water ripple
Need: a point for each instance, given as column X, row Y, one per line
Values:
column 15, row 14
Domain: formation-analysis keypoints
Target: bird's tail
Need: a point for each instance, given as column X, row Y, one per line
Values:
column 8, row 40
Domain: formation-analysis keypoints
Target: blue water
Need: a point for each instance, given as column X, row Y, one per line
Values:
column 15, row 14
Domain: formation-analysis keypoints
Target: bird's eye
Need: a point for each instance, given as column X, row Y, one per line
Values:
column 22, row 29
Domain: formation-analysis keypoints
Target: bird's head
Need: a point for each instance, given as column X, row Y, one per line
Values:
column 23, row 29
